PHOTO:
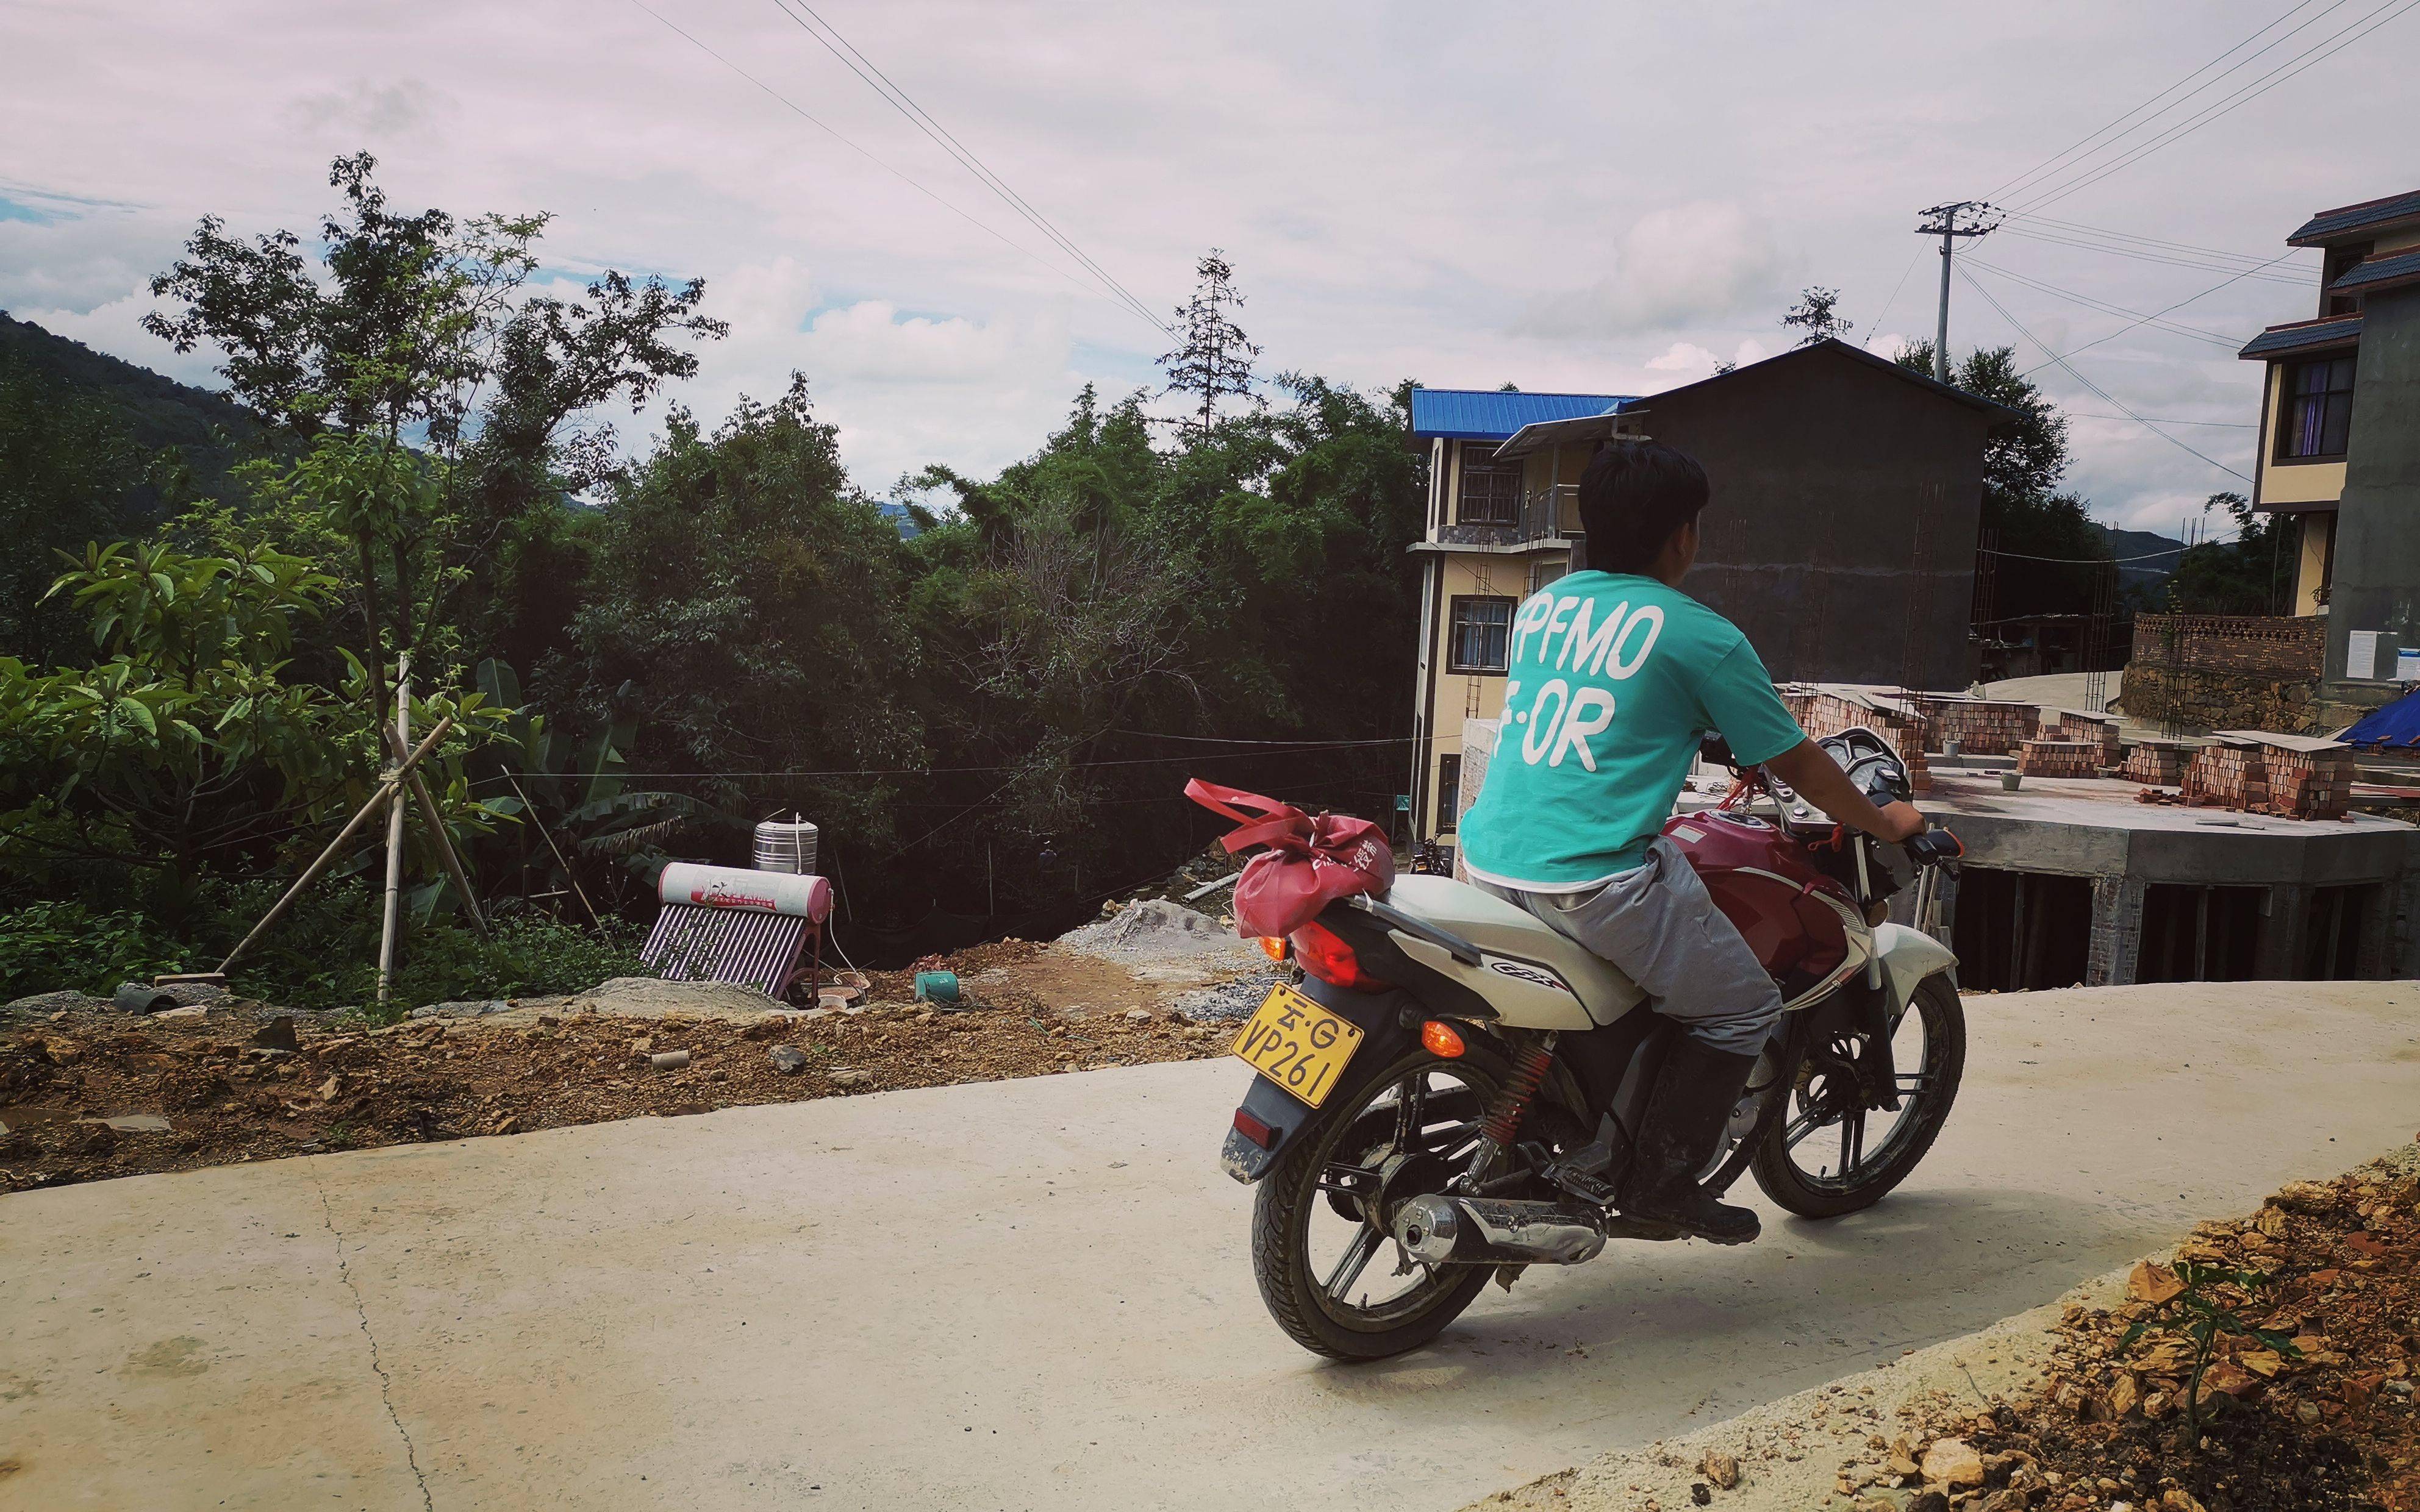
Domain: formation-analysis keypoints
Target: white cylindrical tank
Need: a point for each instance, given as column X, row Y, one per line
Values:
column 786, row 846
column 730, row 886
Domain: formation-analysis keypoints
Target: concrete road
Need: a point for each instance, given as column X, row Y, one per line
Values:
column 1036, row 1293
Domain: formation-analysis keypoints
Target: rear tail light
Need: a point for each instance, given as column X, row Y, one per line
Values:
column 1323, row 953
column 1255, row 1130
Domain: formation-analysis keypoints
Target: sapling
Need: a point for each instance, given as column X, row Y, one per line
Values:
column 2205, row 1316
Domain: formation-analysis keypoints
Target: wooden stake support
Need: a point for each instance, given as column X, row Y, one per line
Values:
column 388, row 789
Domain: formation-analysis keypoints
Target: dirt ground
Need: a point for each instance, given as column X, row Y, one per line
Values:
column 2059, row 1410
column 2312, row 1306
column 87, row 1093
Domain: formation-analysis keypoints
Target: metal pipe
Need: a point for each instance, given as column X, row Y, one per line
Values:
column 394, row 836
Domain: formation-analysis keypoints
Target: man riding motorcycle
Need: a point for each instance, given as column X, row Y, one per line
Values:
column 1603, row 711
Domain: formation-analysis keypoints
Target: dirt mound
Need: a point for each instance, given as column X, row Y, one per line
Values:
column 223, row 1099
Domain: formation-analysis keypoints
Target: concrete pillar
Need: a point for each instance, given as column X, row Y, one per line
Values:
column 2391, row 937
column 2285, row 926
column 2117, row 930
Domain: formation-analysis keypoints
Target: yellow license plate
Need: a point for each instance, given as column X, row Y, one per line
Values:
column 1298, row 1044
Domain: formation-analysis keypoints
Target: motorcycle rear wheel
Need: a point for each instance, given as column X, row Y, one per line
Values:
column 1298, row 1285
column 1863, row 1178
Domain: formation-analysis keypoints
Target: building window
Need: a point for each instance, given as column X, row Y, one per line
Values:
column 2340, row 261
column 1546, row 570
column 1491, row 492
column 1480, row 637
column 1448, row 793
column 2318, row 415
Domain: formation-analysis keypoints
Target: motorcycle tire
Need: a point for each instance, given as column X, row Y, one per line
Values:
column 1945, row 1030
column 1285, row 1199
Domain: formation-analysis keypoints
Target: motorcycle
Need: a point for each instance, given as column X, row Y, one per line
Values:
column 1449, row 1089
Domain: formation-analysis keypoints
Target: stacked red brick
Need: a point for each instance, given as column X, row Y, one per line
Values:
column 2161, row 766
column 2227, row 776
column 2066, row 724
column 2310, row 784
column 1980, row 729
column 2060, row 757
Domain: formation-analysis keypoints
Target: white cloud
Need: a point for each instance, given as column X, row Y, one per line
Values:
column 1399, row 200
column 1688, row 264
column 1685, row 358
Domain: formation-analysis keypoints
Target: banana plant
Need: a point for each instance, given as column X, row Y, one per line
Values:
column 591, row 825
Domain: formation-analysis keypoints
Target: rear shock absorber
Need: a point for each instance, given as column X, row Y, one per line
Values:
column 1504, row 1112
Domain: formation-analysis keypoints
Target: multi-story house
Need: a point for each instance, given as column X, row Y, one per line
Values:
column 1841, row 536
column 2317, row 369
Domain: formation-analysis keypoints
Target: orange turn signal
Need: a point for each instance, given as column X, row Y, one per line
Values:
column 1274, row 946
column 1441, row 1040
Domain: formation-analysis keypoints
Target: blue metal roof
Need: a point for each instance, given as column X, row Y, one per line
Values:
column 2351, row 218
column 2303, row 335
column 2392, row 268
column 1493, row 415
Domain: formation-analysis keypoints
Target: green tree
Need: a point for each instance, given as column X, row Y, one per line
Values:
column 1213, row 360
column 746, row 610
column 188, row 749
column 2051, row 548
column 2247, row 574
column 1816, row 316
column 430, row 389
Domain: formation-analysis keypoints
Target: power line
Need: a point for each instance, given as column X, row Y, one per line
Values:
column 1874, row 327
column 2122, row 330
column 2059, row 159
column 2227, row 425
column 2104, row 394
column 2140, row 254
column 2291, row 67
column 795, row 108
column 2078, row 229
column 2103, row 307
column 874, row 79
column 1305, row 748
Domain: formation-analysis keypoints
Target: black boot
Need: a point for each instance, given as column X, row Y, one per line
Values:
column 1695, row 1092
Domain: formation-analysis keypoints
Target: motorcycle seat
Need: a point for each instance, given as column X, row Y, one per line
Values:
column 1509, row 930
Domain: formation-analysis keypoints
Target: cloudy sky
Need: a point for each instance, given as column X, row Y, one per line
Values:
column 1604, row 198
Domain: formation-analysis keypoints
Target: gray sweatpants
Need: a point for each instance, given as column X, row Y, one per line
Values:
column 1661, row 927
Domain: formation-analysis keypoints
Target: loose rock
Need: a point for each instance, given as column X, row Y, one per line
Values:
column 1952, row 1462
column 787, row 1059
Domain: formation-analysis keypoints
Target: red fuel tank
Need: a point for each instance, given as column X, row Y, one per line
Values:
column 1765, row 883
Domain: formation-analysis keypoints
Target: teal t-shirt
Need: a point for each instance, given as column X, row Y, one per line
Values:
column 1614, row 679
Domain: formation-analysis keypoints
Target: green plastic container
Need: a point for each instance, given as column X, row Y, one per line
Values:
column 937, row 986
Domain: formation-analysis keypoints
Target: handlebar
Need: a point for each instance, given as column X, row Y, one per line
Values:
column 1935, row 847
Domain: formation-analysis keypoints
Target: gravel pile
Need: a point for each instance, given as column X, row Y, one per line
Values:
column 1155, row 932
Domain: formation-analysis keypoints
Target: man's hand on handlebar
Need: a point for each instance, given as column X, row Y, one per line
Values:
column 1903, row 821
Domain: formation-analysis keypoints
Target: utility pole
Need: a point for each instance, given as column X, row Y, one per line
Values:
column 1949, row 221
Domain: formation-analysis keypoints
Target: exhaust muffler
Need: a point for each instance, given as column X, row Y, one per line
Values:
column 1439, row 1229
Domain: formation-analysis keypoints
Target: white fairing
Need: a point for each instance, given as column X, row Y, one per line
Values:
column 1537, row 978
column 1534, row 977
column 1909, row 956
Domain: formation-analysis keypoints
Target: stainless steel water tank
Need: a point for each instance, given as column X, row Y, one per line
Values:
column 786, row 846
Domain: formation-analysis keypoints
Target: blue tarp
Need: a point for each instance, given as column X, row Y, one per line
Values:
column 2398, row 724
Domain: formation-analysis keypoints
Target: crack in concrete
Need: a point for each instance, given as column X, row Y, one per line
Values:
column 386, row 1382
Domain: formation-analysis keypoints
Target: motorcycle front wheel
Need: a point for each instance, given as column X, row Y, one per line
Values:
column 1326, row 1264
column 1826, row 1154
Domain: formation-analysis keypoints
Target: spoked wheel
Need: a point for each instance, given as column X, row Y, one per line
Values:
column 1321, row 1246
column 1829, row 1154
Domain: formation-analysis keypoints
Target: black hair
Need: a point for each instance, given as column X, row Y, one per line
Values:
column 1633, row 497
